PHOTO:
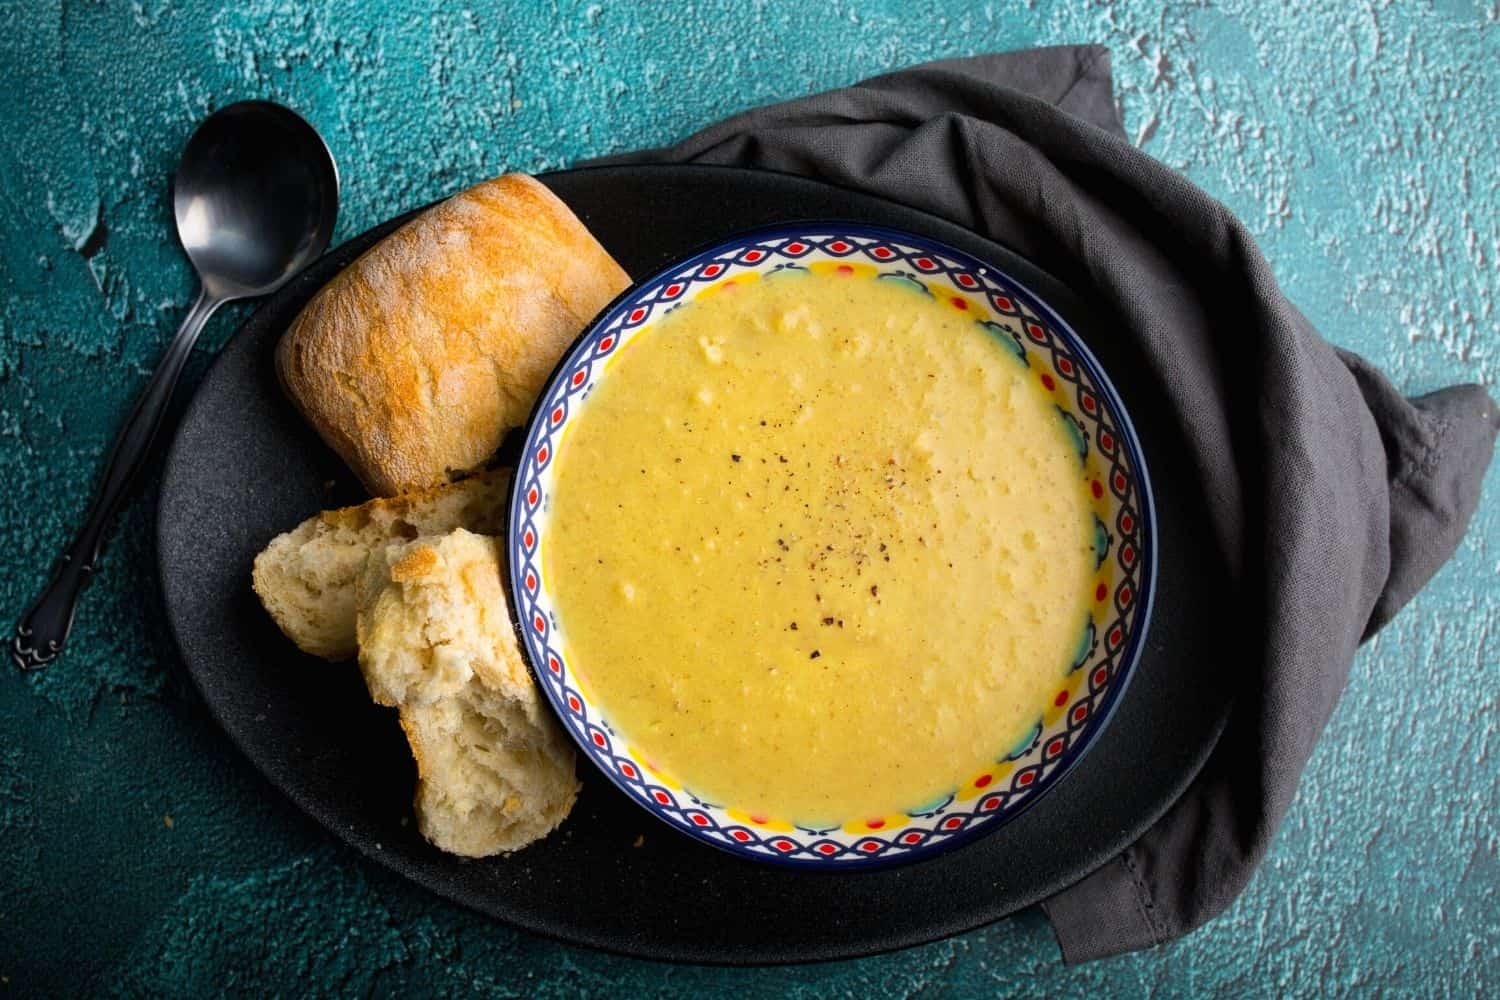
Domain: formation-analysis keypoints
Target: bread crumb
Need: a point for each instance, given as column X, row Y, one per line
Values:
column 640, row 839
column 166, row 821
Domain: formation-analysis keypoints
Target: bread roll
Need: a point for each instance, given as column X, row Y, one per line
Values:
column 307, row 577
column 494, row 769
column 415, row 361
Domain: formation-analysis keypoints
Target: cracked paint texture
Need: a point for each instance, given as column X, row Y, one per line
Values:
column 1357, row 141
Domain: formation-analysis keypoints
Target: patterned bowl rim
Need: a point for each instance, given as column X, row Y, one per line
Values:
column 828, row 229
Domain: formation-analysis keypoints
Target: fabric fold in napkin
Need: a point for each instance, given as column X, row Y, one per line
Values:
column 1334, row 498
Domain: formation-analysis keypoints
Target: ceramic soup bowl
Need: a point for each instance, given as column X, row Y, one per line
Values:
column 1120, row 589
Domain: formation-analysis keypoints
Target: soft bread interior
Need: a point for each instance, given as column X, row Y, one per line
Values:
column 491, row 779
column 306, row 578
column 494, row 769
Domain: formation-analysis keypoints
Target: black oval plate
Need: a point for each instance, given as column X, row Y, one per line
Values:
column 244, row 467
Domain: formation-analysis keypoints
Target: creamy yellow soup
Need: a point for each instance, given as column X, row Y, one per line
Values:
column 821, row 546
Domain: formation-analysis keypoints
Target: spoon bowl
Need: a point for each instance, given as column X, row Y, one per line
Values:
column 255, row 195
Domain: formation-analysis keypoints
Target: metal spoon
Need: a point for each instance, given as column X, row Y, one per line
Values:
column 255, row 195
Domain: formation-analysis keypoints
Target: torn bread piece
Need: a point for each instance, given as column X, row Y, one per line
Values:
column 306, row 578
column 494, row 768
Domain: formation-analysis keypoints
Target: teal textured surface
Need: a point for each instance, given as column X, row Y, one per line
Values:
column 1356, row 141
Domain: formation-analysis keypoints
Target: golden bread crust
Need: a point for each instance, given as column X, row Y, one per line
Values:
column 415, row 361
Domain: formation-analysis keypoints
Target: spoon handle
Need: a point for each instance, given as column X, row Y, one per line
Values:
column 44, row 628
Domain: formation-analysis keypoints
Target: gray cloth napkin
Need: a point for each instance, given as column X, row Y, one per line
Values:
column 1334, row 498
